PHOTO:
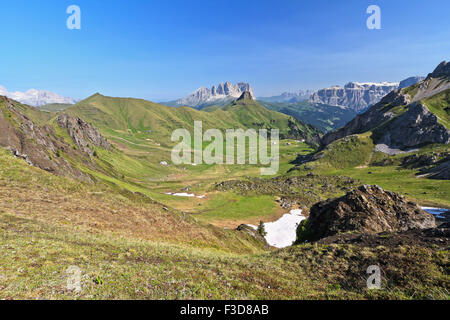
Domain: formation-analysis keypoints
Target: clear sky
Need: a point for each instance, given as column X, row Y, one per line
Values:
column 162, row 50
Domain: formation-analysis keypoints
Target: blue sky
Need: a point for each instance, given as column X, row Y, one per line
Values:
column 162, row 50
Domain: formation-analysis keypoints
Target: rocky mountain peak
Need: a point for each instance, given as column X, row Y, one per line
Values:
column 36, row 98
column 218, row 94
column 442, row 70
column 410, row 81
column 245, row 96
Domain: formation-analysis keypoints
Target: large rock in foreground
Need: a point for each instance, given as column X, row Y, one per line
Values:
column 367, row 210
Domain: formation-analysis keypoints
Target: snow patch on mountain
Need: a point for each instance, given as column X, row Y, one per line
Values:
column 36, row 98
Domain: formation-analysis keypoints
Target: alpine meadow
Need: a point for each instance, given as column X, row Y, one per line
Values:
column 240, row 152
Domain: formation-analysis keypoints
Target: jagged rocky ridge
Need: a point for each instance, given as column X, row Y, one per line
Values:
column 354, row 95
column 401, row 120
column 220, row 94
column 410, row 81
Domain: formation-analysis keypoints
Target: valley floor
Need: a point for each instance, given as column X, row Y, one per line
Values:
column 128, row 246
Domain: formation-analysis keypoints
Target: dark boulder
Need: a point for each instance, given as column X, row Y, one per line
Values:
column 366, row 210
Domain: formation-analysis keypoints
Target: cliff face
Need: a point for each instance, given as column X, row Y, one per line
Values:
column 401, row 120
column 354, row 95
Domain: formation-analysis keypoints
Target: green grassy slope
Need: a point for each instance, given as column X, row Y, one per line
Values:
column 129, row 248
column 54, row 107
column 440, row 106
column 355, row 156
column 143, row 118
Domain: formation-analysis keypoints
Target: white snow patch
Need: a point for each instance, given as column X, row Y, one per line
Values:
column 184, row 194
column 283, row 232
column 181, row 194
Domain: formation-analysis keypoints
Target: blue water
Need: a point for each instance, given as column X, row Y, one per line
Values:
column 435, row 211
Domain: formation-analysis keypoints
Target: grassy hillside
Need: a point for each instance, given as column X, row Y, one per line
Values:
column 143, row 119
column 36, row 194
column 440, row 106
column 54, row 107
column 128, row 247
column 133, row 241
column 355, row 156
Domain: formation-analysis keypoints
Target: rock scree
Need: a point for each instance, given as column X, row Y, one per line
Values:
column 365, row 210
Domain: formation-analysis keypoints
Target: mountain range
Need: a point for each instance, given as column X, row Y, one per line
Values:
column 354, row 95
column 219, row 95
column 408, row 129
column 94, row 181
column 315, row 108
column 36, row 98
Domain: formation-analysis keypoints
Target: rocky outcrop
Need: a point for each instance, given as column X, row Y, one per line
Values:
column 245, row 96
column 366, row 210
column 434, row 166
column 220, row 94
column 442, row 70
column 436, row 82
column 354, row 95
column 84, row 135
column 414, row 128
